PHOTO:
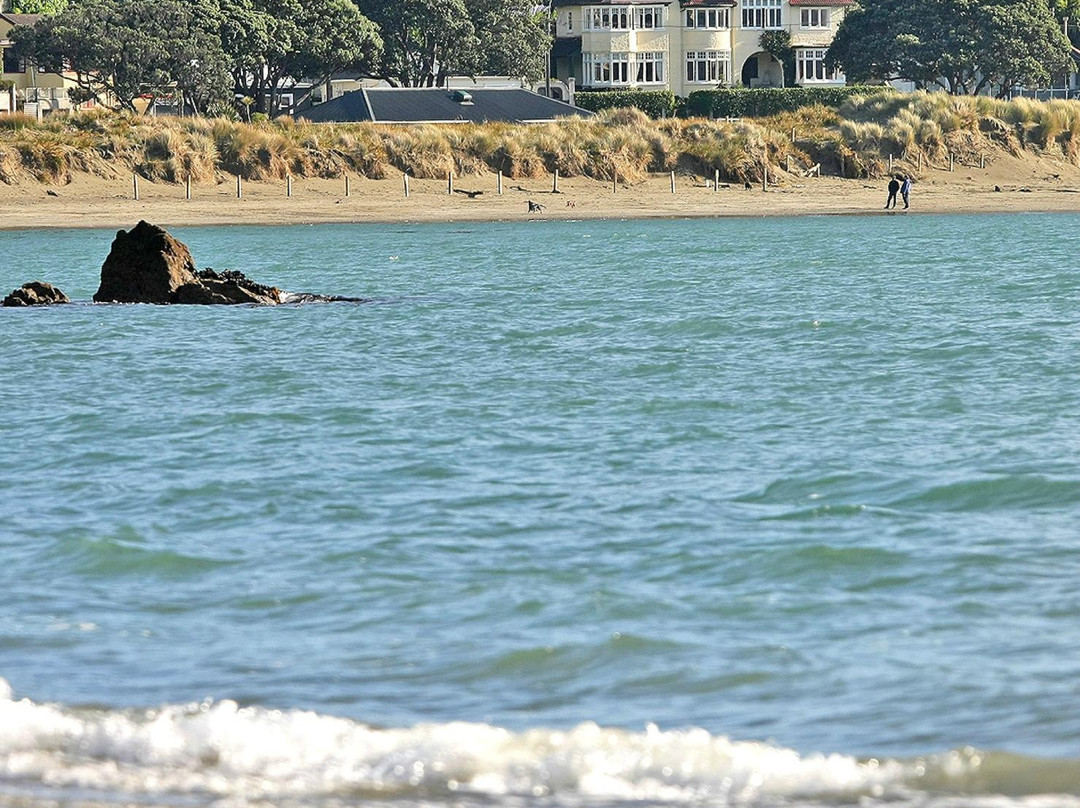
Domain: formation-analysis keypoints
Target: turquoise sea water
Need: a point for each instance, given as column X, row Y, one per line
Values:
column 763, row 512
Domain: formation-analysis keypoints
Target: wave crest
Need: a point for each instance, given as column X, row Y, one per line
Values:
column 223, row 750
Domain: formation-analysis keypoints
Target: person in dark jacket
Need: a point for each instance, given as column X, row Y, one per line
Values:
column 894, row 188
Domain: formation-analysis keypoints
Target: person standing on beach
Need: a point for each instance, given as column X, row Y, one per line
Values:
column 905, row 190
column 894, row 186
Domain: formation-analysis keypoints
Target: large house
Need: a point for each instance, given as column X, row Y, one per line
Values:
column 24, row 87
column 688, row 45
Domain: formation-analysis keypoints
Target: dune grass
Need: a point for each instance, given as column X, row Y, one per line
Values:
column 855, row 141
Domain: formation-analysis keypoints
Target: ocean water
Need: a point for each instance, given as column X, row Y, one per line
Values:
column 740, row 512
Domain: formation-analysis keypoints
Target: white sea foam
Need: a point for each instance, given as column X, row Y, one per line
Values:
column 222, row 751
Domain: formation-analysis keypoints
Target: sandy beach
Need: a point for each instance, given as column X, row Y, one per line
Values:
column 1006, row 184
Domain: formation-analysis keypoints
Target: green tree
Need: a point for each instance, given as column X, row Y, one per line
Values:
column 273, row 44
column 778, row 45
column 38, row 6
column 962, row 46
column 120, row 50
column 424, row 41
column 514, row 38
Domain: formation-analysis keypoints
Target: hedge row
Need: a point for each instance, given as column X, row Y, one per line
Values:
column 736, row 102
column 654, row 103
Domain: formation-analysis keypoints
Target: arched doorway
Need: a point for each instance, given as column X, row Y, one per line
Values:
column 762, row 70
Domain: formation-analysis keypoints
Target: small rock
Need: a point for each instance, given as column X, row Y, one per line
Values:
column 35, row 293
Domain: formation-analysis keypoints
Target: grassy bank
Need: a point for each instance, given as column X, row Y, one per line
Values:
column 854, row 141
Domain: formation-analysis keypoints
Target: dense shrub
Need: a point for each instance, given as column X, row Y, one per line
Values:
column 736, row 102
column 654, row 103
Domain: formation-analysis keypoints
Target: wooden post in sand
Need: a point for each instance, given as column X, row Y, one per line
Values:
column 890, row 162
column 449, row 182
column 614, row 179
column 982, row 160
column 555, row 183
column 135, row 185
column 716, row 180
column 793, row 134
column 346, row 185
column 498, row 184
column 920, row 161
column 764, row 175
column 950, row 161
column 405, row 179
column 288, row 186
column 239, row 187
column 672, row 182
column 187, row 188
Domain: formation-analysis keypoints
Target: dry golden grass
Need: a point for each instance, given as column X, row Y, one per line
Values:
column 856, row 141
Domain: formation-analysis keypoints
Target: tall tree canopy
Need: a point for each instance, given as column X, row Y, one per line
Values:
column 38, row 6
column 428, row 40
column 119, row 50
column 272, row 44
column 206, row 49
column 962, row 46
column 514, row 37
column 424, row 40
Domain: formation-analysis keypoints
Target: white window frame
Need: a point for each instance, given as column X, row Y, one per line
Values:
column 762, row 14
column 708, row 67
column 650, row 68
column 810, row 67
column 708, row 19
column 814, row 18
column 648, row 18
column 606, row 18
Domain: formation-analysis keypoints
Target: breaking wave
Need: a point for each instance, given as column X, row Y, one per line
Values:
column 222, row 753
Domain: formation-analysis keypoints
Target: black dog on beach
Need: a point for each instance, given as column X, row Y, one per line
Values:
column 535, row 207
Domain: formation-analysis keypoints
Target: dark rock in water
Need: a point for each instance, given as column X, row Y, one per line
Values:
column 145, row 265
column 35, row 293
column 228, row 287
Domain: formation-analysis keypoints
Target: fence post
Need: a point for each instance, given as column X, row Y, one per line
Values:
column 764, row 175
column 950, row 161
column 555, row 183
column 187, row 188
column 405, row 179
column 135, row 185
column 498, row 184
column 672, row 182
column 239, row 188
column 716, row 181
column 346, row 185
column 890, row 162
column 982, row 160
column 449, row 182
column 288, row 186
column 614, row 179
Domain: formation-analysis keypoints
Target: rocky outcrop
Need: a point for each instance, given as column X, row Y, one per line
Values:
column 35, row 293
column 228, row 287
column 145, row 265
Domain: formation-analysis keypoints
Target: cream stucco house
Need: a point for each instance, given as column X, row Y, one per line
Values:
column 25, row 88
column 688, row 45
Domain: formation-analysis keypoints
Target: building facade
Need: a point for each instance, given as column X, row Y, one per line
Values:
column 688, row 45
column 24, row 87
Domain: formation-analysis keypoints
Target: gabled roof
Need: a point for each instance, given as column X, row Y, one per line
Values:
column 20, row 19
column 439, row 105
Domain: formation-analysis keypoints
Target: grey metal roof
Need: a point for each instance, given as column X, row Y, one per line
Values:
column 439, row 105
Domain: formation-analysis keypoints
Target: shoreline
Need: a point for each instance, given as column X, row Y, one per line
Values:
column 1024, row 184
